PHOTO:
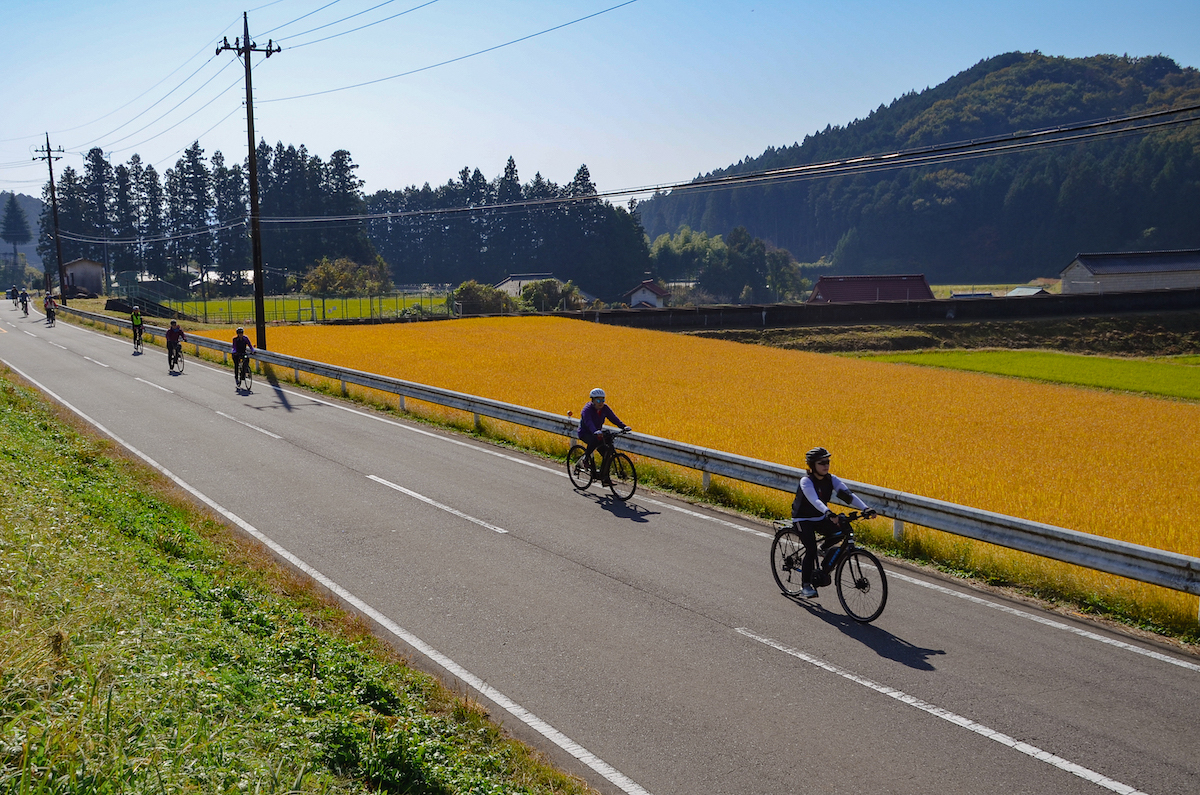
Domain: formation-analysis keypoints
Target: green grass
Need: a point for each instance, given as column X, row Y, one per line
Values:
column 143, row 648
column 296, row 308
column 1160, row 378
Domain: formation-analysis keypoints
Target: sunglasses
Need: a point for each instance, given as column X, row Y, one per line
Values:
column 823, row 463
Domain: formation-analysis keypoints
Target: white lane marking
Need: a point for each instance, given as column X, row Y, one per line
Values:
column 156, row 386
column 93, row 361
column 30, row 333
column 1049, row 622
column 715, row 519
column 454, row 669
column 248, row 425
column 56, row 345
column 437, row 504
column 958, row 720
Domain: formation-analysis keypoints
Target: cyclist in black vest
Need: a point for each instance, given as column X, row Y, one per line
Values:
column 811, row 513
column 241, row 349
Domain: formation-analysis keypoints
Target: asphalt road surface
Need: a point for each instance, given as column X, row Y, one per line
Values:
column 643, row 646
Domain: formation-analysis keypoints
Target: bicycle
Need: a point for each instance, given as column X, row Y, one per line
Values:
column 855, row 572
column 175, row 357
column 50, row 314
column 622, row 475
column 137, row 339
column 243, row 376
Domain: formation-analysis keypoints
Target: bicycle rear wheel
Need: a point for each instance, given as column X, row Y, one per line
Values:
column 622, row 476
column 578, row 467
column 137, row 343
column 787, row 560
column 861, row 585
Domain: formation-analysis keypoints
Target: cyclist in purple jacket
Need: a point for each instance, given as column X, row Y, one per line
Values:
column 591, row 423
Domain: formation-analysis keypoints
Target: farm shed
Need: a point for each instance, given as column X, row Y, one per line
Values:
column 850, row 289
column 646, row 295
column 1132, row 271
column 85, row 274
column 514, row 284
column 1026, row 291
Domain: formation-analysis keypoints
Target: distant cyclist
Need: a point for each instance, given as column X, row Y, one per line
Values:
column 811, row 513
column 135, row 321
column 175, row 338
column 241, row 352
column 13, row 294
column 24, row 301
column 50, row 306
column 591, row 433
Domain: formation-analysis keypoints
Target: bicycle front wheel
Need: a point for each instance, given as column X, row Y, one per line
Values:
column 177, row 362
column 787, row 560
column 622, row 476
column 578, row 467
column 861, row 585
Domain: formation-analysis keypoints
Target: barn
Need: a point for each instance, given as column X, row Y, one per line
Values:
column 847, row 289
column 1132, row 271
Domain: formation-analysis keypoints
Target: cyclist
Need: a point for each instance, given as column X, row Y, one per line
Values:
column 135, row 321
column 24, row 301
column 591, row 423
column 811, row 513
column 50, row 306
column 13, row 293
column 241, row 350
column 175, row 338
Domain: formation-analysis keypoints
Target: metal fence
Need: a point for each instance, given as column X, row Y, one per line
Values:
column 1137, row 562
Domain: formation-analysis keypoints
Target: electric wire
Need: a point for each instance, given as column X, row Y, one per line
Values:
column 337, row 21
column 360, row 27
column 297, row 19
column 453, row 60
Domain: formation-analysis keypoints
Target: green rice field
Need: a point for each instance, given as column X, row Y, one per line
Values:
column 1174, row 378
column 306, row 309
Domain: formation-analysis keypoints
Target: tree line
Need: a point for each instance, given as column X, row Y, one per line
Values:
column 1009, row 218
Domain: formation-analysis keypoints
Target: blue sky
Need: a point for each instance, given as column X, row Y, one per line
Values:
column 653, row 92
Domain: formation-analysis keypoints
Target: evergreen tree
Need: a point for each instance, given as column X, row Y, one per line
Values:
column 231, row 246
column 97, row 206
column 152, row 224
column 123, row 255
column 14, row 228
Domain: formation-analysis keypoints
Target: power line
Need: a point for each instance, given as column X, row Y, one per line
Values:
column 454, row 60
column 360, row 27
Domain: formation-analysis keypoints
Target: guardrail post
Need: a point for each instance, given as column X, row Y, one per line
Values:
column 897, row 530
column 295, row 375
column 401, row 402
column 478, row 423
column 344, row 393
column 706, row 479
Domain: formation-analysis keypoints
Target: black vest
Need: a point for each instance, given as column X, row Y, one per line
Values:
column 803, row 509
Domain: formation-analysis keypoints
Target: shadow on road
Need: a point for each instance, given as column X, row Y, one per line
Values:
column 879, row 640
column 273, row 380
column 618, row 508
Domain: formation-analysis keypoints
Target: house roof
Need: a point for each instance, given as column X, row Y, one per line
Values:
column 1022, row 292
column 1139, row 262
column 847, row 289
column 652, row 286
column 82, row 262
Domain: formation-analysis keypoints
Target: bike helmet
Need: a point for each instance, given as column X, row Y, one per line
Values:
column 597, row 393
column 137, row 309
column 240, row 330
column 816, row 454
column 173, row 323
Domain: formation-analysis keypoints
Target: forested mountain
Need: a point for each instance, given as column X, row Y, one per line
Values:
column 1005, row 218
column 598, row 246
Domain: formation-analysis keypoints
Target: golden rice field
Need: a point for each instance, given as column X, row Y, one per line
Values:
column 1106, row 463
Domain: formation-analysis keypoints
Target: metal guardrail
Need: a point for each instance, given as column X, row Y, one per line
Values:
column 1137, row 562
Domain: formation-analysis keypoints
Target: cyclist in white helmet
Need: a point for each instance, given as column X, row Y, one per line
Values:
column 591, row 433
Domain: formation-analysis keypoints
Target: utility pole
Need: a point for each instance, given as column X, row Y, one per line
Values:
column 243, row 48
column 50, row 156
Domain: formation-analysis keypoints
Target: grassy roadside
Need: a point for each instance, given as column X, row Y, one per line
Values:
column 144, row 648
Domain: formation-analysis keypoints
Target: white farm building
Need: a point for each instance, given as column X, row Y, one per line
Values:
column 1132, row 271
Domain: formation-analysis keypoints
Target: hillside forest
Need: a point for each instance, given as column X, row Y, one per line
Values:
column 1000, row 219
column 1003, row 219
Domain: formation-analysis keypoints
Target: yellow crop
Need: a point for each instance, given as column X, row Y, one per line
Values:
column 1110, row 464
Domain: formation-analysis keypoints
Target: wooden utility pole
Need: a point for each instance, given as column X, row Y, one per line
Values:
column 243, row 48
column 50, row 156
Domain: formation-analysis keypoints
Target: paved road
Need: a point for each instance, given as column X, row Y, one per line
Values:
column 644, row 646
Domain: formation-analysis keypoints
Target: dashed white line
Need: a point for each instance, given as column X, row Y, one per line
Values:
column 56, row 345
column 958, row 720
column 93, row 361
column 248, row 425
column 156, row 386
column 30, row 333
column 437, row 504
column 576, row 750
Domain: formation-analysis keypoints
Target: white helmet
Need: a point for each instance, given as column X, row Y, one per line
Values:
column 597, row 393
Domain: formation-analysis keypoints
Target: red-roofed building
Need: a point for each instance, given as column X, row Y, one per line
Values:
column 852, row 289
column 646, row 295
